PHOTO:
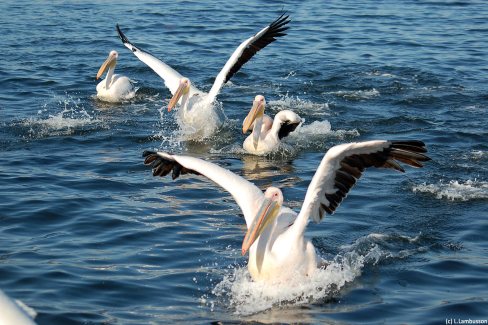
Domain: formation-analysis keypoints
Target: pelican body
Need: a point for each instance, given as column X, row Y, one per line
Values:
column 267, row 133
column 115, row 87
column 275, row 238
column 199, row 116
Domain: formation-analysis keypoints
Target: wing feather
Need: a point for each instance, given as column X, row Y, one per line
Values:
column 287, row 121
column 344, row 164
column 247, row 49
column 247, row 195
column 170, row 76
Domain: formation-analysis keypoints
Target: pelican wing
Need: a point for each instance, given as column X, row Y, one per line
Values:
column 289, row 121
column 170, row 76
column 247, row 195
column 247, row 50
column 344, row 164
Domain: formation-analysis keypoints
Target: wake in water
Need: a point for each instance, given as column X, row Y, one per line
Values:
column 299, row 106
column 456, row 190
column 356, row 95
column 244, row 296
column 73, row 118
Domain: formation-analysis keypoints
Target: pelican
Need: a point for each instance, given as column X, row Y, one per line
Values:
column 114, row 88
column 278, row 250
column 198, row 114
column 267, row 133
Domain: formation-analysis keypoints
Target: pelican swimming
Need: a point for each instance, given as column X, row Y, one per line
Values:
column 115, row 87
column 267, row 133
column 278, row 250
column 198, row 114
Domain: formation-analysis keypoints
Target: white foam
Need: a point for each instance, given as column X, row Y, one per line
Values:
column 478, row 154
column 246, row 297
column 456, row 190
column 299, row 105
column 377, row 73
column 72, row 117
column 357, row 94
column 319, row 128
column 243, row 296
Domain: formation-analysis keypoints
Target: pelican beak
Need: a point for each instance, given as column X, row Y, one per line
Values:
column 255, row 115
column 111, row 60
column 266, row 214
column 182, row 89
column 256, row 111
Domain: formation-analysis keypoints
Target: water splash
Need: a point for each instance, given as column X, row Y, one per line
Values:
column 478, row 154
column 298, row 105
column 321, row 128
column 246, row 297
column 456, row 190
column 357, row 94
column 73, row 118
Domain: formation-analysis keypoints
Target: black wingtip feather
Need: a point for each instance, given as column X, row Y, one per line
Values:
column 410, row 152
column 162, row 164
column 275, row 29
column 147, row 153
column 122, row 36
column 124, row 39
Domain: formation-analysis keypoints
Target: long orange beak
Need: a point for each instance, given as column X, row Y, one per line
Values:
column 111, row 60
column 266, row 214
column 255, row 116
column 256, row 111
column 182, row 89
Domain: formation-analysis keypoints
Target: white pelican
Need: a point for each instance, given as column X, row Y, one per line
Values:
column 198, row 115
column 114, row 88
column 275, row 238
column 267, row 133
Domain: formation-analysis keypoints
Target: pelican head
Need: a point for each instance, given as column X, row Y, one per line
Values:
column 110, row 62
column 267, row 213
column 183, row 89
column 255, row 116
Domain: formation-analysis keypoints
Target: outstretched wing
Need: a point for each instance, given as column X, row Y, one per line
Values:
column 170, row 76
column 247, row 50
column 247, row 195
column 344, row 164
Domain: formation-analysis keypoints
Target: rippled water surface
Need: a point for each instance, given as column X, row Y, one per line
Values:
column 87, row 235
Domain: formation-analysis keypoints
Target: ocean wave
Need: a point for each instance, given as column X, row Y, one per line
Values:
column 456, row 190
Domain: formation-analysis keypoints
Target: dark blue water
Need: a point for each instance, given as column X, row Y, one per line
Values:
column 87, row 235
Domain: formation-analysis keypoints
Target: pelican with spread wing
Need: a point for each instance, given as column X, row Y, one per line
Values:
column 267, row 133
column 199, row 115
column 278, row 249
